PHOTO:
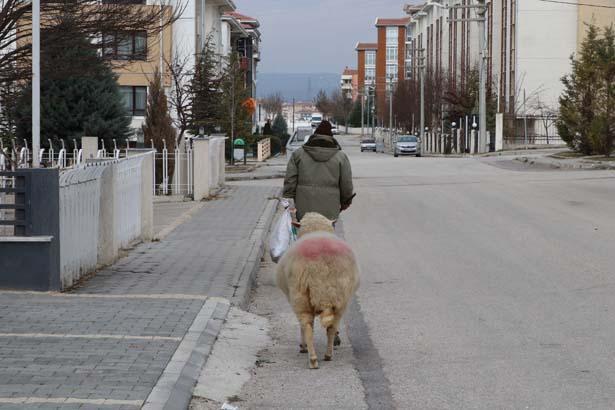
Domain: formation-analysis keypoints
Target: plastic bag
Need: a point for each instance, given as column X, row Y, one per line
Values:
column 283, row 234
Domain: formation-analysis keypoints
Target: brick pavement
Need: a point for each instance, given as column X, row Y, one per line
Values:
column 106, row 344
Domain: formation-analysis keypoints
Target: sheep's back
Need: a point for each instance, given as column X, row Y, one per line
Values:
column 326, row 265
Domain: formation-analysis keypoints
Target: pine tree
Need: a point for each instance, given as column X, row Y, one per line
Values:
column 79, row 95
column 587, row 104
column 205, row 97
column 280, row 126
column 158, row 127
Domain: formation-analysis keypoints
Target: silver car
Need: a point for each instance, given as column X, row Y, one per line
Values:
column 407, row 145
column 300, row 137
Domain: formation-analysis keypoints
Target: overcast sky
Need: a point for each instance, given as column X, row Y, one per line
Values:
column 307, row 36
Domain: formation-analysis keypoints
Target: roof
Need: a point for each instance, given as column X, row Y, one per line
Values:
column 366, row 46
column 350, row 71
column 382, row 22
column 413, row 8
column 236, row 24
column 251, row 21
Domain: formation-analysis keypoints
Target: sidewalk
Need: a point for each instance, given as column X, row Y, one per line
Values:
column 556, row 162
column 274, row 168
column 139, row 331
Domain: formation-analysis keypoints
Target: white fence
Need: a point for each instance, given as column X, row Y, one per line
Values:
column 79, row 221
column 104, row 207
column 177, row 171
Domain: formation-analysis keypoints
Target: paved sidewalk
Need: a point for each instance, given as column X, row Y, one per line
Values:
column 274, row 168
column 107, row 344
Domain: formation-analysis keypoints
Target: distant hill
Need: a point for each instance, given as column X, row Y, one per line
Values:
column 302, row 87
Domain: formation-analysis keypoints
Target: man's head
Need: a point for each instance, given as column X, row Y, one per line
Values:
column 324, row 128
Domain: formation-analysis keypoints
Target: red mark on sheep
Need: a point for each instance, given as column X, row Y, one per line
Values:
column 314, row 248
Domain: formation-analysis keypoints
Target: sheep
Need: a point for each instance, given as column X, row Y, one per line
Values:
column 318, row 274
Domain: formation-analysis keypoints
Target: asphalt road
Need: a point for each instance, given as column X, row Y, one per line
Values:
column 484, row 285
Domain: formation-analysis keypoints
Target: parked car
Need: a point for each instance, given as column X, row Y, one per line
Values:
column 407, row 145
column 299, row 138
column 334, row 130
column 368, row 144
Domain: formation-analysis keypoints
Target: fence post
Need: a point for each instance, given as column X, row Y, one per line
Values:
column 89, row 145
column 147, row 196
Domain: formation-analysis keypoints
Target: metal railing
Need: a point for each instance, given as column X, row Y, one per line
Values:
column 174, row 171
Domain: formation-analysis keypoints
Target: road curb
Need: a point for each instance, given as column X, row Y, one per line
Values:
column 245, row 281
column 255, row 177
column 174, row 387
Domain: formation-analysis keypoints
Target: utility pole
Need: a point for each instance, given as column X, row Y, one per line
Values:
column 36, row 82
column 293, row 114
column 422, row 75
column 373, row 112
column 233, row 118
column 482, row 34
column 362, row 113
column 391, row 106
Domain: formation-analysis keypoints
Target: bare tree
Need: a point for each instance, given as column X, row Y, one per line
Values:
column 342, row 107
column 547, row 114
column 179, row 99
column 323, row 103
column 273, row 104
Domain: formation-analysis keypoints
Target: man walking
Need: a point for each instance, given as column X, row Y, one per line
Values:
column 319, row 177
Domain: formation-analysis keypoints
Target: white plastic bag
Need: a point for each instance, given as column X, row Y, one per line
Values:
column 282, row 235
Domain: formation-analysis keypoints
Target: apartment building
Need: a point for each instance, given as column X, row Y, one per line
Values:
column 390, row 59
column 350, row 83
column 590, row 12
column 366, row 65
column 528, row 44
column 140, row 56
column 240, row 33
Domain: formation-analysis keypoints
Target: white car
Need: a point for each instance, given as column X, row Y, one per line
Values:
column 407, row 145
column 334, row 130
column 368, row 144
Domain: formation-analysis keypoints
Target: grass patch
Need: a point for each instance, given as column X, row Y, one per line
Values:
column 601, row 158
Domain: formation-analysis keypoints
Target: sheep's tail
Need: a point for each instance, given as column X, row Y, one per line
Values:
column 327, row 317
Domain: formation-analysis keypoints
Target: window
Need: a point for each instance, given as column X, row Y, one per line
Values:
column 370, row 58
column 392, row 72
column 392, row 36
column 135, row 100
column 370, row 74
column 126, row 46
column 391, row 54
column 408, row 70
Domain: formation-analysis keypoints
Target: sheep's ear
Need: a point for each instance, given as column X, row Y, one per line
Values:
column 333, row 221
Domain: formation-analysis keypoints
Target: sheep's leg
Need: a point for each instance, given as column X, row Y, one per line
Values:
column 303, row 344
column 331, row 333
column 307, row 324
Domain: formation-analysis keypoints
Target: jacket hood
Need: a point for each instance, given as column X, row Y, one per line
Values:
column 321, row 147
column 320, row 154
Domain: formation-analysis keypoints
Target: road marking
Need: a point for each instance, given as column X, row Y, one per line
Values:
column 178, row 296
column 90, row 336
column 69, row 400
